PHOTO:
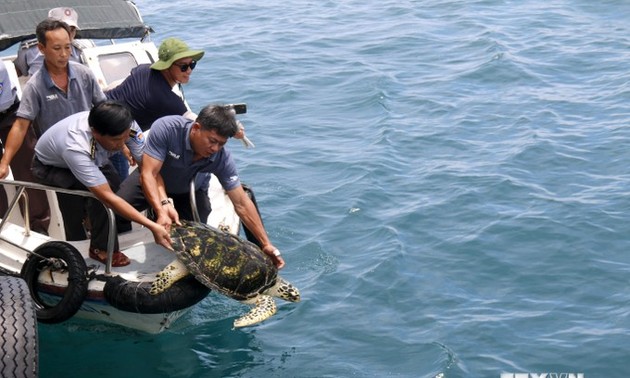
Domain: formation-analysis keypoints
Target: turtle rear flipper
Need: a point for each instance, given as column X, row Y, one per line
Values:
column 265, row 307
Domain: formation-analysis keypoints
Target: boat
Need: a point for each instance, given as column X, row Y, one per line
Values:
column 63, row 281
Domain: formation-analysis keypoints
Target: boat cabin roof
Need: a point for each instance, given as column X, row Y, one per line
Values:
column 98, row 19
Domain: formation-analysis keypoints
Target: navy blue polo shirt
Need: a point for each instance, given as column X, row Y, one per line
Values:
column 169, row 142
column 148, row 95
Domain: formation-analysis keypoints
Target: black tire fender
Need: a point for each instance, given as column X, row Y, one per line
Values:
column 18, row 330
column 135, row 296
column 59, row 256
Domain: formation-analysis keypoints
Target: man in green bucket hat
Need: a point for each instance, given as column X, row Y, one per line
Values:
column 172, row 50
column 154, row 91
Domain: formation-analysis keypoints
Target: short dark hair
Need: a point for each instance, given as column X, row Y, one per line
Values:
column 47, row 25
column 219, row 118
column 110, row 118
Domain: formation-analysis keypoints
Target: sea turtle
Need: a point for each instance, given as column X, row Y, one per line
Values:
column 234, row 267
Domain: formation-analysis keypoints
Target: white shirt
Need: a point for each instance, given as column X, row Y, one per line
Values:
column 70, row 144
column 7, row 88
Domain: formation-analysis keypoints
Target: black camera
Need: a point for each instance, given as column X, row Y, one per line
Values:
column 239, row 108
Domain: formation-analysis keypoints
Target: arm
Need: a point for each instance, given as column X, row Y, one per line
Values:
column 127, row 154
column 246, row 210
column 98, row 95
column 133, row 149
column 14, row 142
column 105, row 194
column 155, row 191
column 21, row 67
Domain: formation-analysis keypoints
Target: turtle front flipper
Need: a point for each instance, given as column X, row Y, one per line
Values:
column 172, row 273
column 265, row 307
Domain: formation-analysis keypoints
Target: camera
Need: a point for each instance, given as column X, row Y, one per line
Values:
column 239, row 108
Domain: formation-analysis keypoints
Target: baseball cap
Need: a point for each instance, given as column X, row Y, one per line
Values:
column 67, row 15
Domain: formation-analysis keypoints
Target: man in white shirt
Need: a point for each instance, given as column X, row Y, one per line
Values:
column 39, row 213
column 74, row 154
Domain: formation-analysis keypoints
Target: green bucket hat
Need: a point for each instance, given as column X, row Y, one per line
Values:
column 173, row 49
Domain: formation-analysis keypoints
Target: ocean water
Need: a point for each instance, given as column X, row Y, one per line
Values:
column 448, row 181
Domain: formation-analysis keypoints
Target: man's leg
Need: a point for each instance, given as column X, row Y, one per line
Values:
column 98, row 214
column 72, row 207
column 203, row 204
column 131, row 191
column 120, row 162
column 6, row 121
column 100, row 225
column 4, row 205
column 181, row 202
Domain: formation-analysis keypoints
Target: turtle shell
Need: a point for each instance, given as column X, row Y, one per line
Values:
column 222, row 261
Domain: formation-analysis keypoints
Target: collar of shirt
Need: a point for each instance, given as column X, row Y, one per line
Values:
column 189, row 124
column 48, row 80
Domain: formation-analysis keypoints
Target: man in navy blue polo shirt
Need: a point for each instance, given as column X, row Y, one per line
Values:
column 154, row 91
column 176, row 151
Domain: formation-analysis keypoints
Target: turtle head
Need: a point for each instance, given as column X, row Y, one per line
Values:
column 283, row 289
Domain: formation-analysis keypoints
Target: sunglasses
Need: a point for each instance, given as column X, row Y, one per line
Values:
column 184, row 67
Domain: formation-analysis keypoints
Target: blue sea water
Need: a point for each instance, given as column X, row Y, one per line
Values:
column 447, row 180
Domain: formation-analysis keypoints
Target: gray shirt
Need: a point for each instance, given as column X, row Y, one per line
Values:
column 45, row 104
column 70, row 144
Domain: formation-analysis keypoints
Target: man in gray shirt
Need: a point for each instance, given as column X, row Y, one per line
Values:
column 59, row 89
column 29, row 59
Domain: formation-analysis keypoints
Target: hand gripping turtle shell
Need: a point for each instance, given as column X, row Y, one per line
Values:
column 223, row 262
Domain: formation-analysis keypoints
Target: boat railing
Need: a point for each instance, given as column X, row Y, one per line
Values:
column 193, row 201
column 20, row 192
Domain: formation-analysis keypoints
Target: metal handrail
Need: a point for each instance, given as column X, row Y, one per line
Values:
column 193, row 201
column 21, row 186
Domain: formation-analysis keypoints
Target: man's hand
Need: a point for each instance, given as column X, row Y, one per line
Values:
column 127, row 154
column 4, row 170
column 240, row 134
column 275, row 255
column 167, row 217
column 161, row 236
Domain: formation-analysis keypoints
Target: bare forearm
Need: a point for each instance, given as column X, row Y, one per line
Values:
column 153, row 188
column 249, row 216
column 14, row 140
column 246, row 210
